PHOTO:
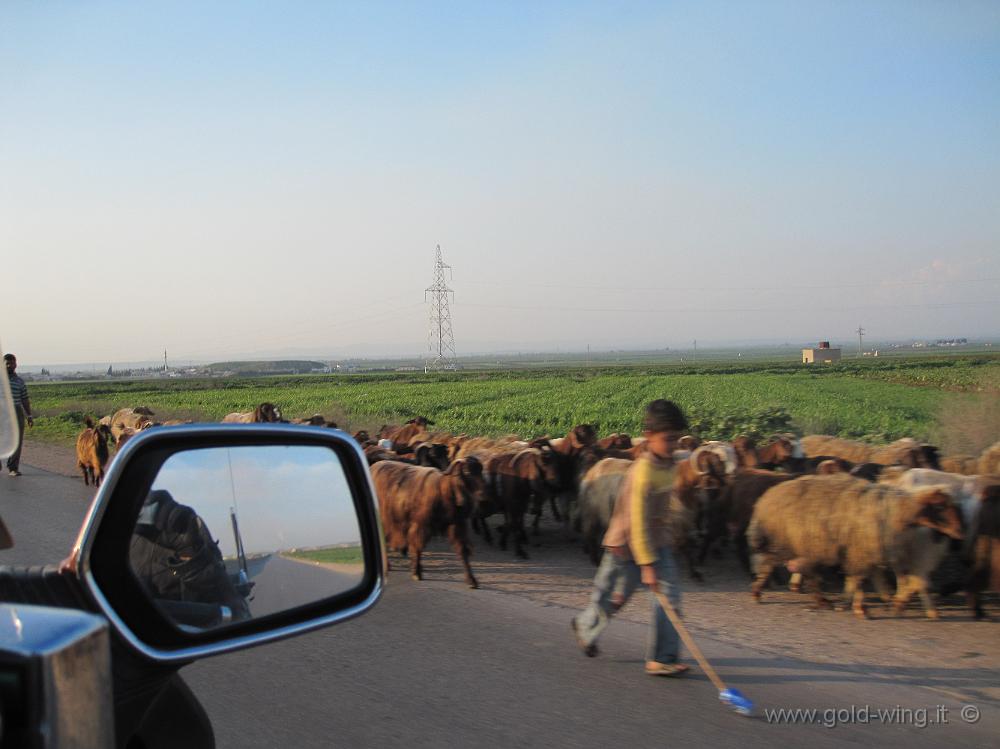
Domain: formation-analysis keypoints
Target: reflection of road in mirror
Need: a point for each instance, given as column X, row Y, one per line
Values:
column 284, row 582
column 270, row 512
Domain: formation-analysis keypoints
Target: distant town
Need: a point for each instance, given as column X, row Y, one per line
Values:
column 496, row 361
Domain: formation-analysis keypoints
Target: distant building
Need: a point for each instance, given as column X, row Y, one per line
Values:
column 821, row 355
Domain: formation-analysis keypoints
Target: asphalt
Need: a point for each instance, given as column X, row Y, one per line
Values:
column 437, row 664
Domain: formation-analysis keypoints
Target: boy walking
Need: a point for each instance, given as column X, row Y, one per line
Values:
column 637, row 545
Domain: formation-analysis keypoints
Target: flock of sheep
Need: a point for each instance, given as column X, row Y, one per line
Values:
column 817, row 505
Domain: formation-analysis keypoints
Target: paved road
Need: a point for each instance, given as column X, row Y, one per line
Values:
column 436, row 664
column 283, row 584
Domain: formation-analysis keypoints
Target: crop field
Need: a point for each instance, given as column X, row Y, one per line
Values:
column 871, row 400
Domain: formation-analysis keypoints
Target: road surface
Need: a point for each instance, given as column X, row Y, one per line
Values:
column 436, row 664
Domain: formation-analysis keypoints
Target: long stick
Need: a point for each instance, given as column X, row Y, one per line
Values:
column 668, row 609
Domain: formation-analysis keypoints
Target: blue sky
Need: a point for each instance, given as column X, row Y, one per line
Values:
column 237, row 178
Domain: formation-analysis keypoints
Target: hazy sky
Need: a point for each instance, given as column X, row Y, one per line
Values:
column 286, row 497
column 224, row 179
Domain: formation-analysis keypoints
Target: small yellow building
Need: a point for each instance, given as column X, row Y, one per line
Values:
column 822, row 355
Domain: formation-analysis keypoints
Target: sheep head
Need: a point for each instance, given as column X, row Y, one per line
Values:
column 932, row 508
column 688, row 442
column 267, row 413
column 470, row 472
column 582, row 435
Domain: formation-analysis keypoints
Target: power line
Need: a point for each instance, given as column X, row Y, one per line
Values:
column 440, row 338
column 703, row 310
column 784, row 287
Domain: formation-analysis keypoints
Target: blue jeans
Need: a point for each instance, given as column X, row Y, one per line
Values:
column 614, row 583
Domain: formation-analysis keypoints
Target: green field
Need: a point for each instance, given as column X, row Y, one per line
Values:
column 337, row 555
column 876, row 400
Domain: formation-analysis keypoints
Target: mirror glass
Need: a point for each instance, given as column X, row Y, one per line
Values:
column 232, row 533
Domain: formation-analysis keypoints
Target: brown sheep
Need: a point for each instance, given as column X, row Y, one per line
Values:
column 985, row 551
column 989, row 461
column 835, row 447
column 416, row 503
column 265, row 413
column 825, row 521
column 967, row 465
column 904, row 451
column 573, row 455
column 375, row 454
column 688, row 442
column 431, row 454
column 469, row 446
column 131, row 419
column 404, row 436
column 827, row 467
column 615, row 441
column 316, row 420
column 515, row 482
column 92, row 452
column 738, row 499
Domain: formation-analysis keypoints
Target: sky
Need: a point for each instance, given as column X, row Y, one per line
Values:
column 271, row 179
column 286, row 497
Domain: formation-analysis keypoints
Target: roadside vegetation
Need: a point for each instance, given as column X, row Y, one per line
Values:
column 337, row 555
column 874, row 400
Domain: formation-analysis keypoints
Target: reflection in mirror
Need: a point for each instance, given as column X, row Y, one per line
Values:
column 228, row 534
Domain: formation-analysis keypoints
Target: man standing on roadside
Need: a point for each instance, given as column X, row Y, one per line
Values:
column 22, row 407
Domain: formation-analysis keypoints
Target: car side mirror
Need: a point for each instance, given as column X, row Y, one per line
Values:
column 212, row 538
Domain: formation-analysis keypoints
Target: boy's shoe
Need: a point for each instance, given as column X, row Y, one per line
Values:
column 654, row 668
column 14, row 472
column 589, row 650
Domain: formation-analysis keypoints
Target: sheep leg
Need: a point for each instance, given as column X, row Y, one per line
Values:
column 881, row 585
column 904, row 589
column 515, row 521
column 458, row 542
column 416, row 568
column 706, row 543
column 814, row 583
column 920, row 583
column 692, row 563
column 536, row 508
column 415, row 542
column 743, row 552
column 975, row 603
column 855, row 593
column 564, row 502
column 765, row 565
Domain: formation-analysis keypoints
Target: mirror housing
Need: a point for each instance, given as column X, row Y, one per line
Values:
column 101, row 554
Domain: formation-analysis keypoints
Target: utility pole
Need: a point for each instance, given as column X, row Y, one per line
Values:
column 164, row 360
column 696, row 349
column 861, row 332
column 440, row 338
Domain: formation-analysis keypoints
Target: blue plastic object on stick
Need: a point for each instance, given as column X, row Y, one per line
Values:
column 737, row 700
